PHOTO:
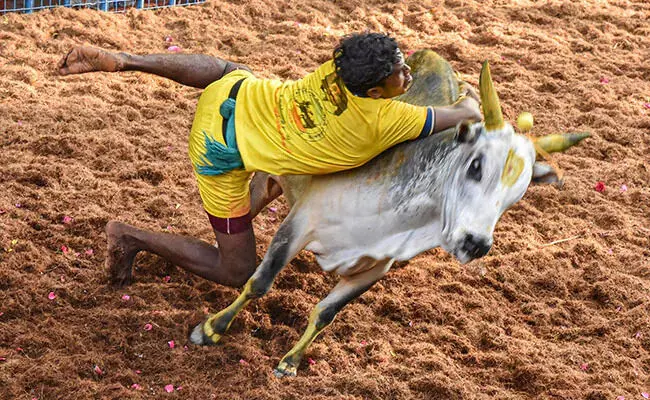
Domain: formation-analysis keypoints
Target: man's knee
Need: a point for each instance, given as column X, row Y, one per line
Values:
column 238, row 256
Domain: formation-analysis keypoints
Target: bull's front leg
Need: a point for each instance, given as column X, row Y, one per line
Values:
column 348, row 289
column 282, row 249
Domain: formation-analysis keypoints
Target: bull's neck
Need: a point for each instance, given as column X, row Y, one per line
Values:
column 424, row 167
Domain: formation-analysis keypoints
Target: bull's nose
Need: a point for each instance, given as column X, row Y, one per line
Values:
column 476, row 247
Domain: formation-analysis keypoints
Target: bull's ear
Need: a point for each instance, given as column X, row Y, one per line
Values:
column 465, row 133
column 544, row 173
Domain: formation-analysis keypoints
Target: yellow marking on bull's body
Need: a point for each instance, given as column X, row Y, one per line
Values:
column 289, row 363
column 512, row 169
column 228, row 314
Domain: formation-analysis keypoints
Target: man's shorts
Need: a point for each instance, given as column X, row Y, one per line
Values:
column 226, row 197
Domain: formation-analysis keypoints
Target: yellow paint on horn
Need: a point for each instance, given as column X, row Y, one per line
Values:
column 490, row 100
column 512, row 169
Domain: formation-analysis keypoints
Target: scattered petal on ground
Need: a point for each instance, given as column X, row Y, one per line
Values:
column 169, row 388
column 3, row 359
column 171, row 344
column 169, row 39
column 600, row 186
column 363, row 343
column 167, row 279
column 243, row 362
column 174, row 49
column 98, row 370
column 584, row 366
column 604, row 80
column 136, row 386
column 273, row 209
column 126, row 297
column 64, row 249
column 89, row 252
column 67, row 220
column 137, row 371
column 311, row 361
column 51, row 296
column 645, row 395
column 148, row 327
column 623, row 188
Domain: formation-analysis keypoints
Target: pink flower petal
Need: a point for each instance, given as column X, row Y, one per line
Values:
column 363, row 343
column 174, row 49
column 311, row 361
column 646, row 105
column 67, row 220
column 584, row 366
column 136, row 386
column 89, row 252
column 2, row 211
column 167, row 279
column 18, row 205
column 137, row 371
column 51, row 296
column 243, row 362
column 126, row 297
column 19, row 349
column 600, row 186
column 98, row 370
column 637, row 335
column 3, row 359
column 169, row 39
column 623, row 188
column 186, row 348
column 604, row 80
column 148, row 327
column 645, row 395
column 171, row 344
column 169, row 388
column 64, row 249
column 1, row 313
column 179, row 388
column 273, row 209
column 620, row 398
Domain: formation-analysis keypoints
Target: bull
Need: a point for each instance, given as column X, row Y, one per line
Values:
column 448, row 190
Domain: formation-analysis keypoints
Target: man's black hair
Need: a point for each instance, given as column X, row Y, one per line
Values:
column 364, row 60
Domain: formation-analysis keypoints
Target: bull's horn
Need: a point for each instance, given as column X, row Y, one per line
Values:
column 559, row 141
column 490, row 100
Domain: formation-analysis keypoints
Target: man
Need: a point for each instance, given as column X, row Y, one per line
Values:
column 338, row 117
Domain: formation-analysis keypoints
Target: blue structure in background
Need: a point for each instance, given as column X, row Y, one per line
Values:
column 29, row 6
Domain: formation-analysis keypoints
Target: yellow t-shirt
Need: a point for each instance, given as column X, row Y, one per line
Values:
column 316, row 126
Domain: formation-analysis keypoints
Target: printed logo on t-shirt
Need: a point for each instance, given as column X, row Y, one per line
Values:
column 304, row 111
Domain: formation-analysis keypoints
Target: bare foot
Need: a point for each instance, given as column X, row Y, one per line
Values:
column 120, row 254
column 89, row 59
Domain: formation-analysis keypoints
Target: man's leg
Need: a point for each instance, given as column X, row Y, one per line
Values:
column 197, row 70
column 230, row 264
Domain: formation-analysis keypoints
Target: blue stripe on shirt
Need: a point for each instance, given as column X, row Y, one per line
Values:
column 427, row 129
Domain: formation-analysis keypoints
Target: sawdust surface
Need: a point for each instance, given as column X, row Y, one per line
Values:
column 529, row 321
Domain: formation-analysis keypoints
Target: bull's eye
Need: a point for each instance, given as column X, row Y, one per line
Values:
column 474, row 171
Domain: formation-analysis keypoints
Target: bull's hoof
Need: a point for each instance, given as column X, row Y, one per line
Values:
column 198, row 336
column 285, row 369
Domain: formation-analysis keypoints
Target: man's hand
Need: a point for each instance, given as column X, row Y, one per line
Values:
column 80, row 60
column 470, row 108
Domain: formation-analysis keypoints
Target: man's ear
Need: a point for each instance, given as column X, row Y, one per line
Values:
column 375, row 92
column 544, row 173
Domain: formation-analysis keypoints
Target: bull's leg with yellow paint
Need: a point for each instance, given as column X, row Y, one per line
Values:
column 348, row 289
column 282, row 249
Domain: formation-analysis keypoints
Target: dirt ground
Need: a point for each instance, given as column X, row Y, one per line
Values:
column 533, row 319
